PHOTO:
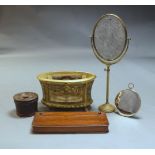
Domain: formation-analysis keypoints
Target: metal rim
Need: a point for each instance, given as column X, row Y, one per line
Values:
column 91, row 78
column 119, row 57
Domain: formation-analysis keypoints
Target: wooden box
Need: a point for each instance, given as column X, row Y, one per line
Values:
column 70, row 122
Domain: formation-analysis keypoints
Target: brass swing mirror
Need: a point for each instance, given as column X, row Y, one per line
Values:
column 110, row 43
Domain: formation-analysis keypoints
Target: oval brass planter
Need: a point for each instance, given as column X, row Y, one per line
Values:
column 66, row 89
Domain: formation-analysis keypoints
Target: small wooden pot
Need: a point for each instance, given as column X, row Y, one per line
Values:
column 26, row 104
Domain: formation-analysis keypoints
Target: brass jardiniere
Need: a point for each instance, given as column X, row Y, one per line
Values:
column 66, row 89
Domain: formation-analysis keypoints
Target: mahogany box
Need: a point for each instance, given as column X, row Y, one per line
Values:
column 70, row 122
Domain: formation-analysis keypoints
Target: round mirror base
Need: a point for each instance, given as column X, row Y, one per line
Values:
column 107, row 108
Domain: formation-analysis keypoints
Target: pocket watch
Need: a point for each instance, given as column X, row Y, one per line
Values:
column 127, row 101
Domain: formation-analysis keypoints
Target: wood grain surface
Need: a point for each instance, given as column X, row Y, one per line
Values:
column 70, row 122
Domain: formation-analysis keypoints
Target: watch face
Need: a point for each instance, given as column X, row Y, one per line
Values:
column 127, row 102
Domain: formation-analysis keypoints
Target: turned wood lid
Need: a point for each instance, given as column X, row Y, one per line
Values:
column 25, row 96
